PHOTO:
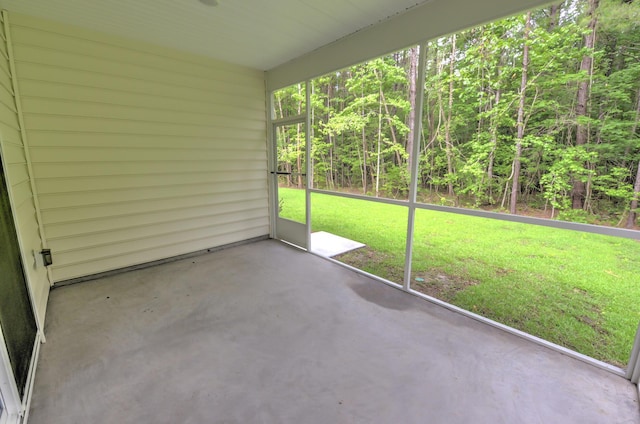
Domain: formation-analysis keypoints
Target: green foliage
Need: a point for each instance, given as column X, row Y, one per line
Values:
column 397, row 182
column 574, row 215
column 615, row 184
column 567, row 167
column 361, row 115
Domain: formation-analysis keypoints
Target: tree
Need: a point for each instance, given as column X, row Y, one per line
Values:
column 548, row 125
column 447, row 128
column 631, row 220
column 520, row 123
column 578, row 191
column 414, row 53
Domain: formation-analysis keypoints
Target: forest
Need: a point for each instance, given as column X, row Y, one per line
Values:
column 535, row 114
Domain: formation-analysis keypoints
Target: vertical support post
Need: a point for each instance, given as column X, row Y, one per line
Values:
column 633, row 367
column 308, row 164
column 415, row 161
column 271, row 166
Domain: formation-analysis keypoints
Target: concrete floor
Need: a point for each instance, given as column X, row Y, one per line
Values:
column 264, row 333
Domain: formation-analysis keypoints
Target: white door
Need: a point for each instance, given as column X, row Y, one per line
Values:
column 290, row 182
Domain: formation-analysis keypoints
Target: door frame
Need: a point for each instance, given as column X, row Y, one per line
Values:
column 8, row 388
column 16, row 407
column 23, row 256
column 295, row 233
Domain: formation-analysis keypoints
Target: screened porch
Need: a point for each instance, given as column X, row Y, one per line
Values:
column 166, row 166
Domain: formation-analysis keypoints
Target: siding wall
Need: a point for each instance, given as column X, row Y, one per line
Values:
column 139, row 153
column 19, row 183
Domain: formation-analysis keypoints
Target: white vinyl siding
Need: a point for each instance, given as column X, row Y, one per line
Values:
column 19, row 184
column 139, row 153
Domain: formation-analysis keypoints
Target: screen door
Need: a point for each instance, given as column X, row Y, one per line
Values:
column 291, row 182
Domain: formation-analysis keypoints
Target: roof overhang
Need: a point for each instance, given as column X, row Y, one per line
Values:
column 421, row 23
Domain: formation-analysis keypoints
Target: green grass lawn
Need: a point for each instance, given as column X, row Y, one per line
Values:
column 575, row 289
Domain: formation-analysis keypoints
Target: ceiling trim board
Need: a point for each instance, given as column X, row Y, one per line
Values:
column 424, row 22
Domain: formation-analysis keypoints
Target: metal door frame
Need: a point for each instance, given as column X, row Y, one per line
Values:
column 8, row 388
column 298, row 234
column 15, row 405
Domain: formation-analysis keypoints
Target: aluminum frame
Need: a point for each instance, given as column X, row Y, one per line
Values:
column 8, row 388
column 290, row 231
column 633, row 367
column 412, row 204
column 16, row 409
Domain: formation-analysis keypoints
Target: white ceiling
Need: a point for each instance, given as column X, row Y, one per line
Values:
column 257, row 33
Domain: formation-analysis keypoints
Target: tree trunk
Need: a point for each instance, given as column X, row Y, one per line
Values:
column 364, row 161
column 582, row 131
column 299, row 158
column 631, row 219
column 331, row 173
column 363, row 167
column 387, row 117
column 311, row 176
column 413, row 66
column 379, row 142
column 495, row 122
column 447, row 135
column 287, row 169
column 299, row 151
column 515, row 187
column 364, row 151
column 554, row 13
column 434, row 105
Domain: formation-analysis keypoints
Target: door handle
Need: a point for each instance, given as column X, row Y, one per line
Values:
column 286, row 173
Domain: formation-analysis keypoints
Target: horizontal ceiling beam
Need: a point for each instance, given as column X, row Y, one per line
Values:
column 424, row 22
